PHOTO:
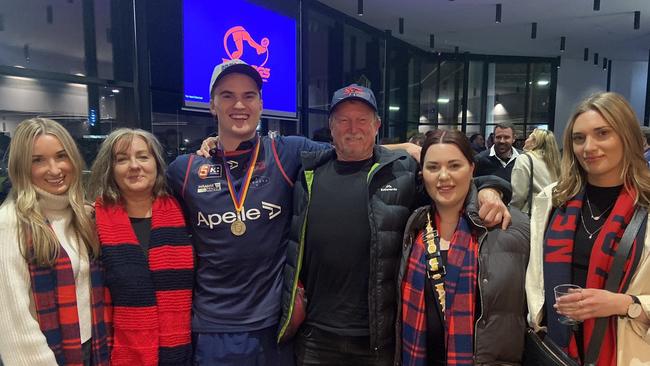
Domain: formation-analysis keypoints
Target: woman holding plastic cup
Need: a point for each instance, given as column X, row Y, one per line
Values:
column 576, row 226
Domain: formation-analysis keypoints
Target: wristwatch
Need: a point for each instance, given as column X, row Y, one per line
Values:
column 635, row 309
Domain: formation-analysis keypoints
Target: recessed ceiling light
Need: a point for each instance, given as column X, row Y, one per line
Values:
column 497, row 18
column 542, row 82
column 443, row 100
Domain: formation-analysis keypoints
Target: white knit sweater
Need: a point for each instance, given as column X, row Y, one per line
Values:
column 21, row 340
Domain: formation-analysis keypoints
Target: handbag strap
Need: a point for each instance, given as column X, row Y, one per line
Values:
column 614, row 280
column 530, row 185
column 435, row 268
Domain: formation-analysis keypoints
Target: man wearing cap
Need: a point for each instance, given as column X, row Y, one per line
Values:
column 238, row 202
column 350, row 210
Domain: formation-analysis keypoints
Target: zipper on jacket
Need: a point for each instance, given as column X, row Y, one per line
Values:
column 372, row 306
column 479, row 280
column 309, row 179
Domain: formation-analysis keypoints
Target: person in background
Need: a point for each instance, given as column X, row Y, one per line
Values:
column 323, row 135
column 449, row 313
column 417, row 139
column 646, row 142
column 489, row 142
column 478, row 142
column 146, row 252
column 51, row 283
column 575, row 229
column 540, row 161
column 500, row 158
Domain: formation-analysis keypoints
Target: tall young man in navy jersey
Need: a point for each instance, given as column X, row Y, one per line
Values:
column 238, row 203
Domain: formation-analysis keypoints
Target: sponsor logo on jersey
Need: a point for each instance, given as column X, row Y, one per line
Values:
column 210, row 171
column 232, row 164
column 206, row 188
column 260, row 181
column 213, row 220
column 388, row 188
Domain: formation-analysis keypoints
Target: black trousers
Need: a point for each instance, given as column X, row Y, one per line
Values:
column 315, row 346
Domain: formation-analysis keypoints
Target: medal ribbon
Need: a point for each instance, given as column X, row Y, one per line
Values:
column 238, row 198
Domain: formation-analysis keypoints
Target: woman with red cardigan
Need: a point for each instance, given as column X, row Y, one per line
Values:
column 146, row 252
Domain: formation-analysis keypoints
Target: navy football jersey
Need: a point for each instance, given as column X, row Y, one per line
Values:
column 239, row 278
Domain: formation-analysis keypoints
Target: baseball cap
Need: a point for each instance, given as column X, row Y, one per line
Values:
column 234, row 66
column 354, row 92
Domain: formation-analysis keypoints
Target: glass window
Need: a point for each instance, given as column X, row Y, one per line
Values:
column 45, row 37
column 67, row 103
column 540, row 86
column 360, row 54
column 506, row 92
column 474, row 92
column 428, row 92
column 50, row 37
column 181, row 133
column 321, row 32
column 451, row 92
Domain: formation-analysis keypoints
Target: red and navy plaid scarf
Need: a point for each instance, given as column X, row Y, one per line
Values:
column 460, row 298
column 55, row 301
column 151, row 297
column 558, row 254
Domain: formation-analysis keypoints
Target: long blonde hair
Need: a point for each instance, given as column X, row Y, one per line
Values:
column 545, row 147
column 102, row 181
column 32, row 223
column 635, row 173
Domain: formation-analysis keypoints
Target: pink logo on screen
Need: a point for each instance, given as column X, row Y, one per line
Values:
column 239, row 35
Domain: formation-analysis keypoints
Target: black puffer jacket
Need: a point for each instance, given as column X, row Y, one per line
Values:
column 503, row 257
column 392, row 195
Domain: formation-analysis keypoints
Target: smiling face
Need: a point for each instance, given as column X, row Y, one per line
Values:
column 447, row 175
column 52, row 170
column 503, row 140
column 598, row 149
column 237, row 104
column 134, row 167
column 354, row 126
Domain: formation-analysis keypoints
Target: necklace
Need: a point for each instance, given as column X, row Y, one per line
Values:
column 591, row 212
column 591, row 234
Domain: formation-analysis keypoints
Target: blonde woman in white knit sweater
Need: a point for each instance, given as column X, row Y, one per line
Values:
column 544, row 154
column 51, row 308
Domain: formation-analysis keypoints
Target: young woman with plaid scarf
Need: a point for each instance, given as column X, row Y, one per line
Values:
column 575, row 229
column 460, row 284
column 51, row 290
column 146, row 253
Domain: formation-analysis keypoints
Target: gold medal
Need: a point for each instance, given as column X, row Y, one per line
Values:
column 238, row 228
